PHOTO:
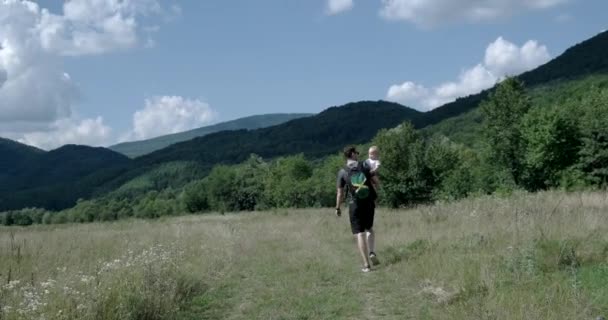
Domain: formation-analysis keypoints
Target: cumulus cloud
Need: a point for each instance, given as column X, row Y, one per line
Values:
column 33, row 85
column 68, row 131
column 502, row 58
column 408, row 93
column 432, row 12
column 94, row 26
column 169, row 114
column 339, row 6
column 37, row 97
column 505, row 58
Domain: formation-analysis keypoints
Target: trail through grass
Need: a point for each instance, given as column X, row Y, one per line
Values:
column 542, row 256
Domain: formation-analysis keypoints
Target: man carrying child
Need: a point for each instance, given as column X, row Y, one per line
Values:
column 361, row 182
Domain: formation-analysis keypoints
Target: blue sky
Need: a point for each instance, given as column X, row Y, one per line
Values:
column 152, row 67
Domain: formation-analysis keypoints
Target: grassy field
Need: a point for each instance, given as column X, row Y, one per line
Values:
column 542, row 256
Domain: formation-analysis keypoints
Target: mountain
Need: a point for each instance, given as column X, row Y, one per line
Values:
column 319, row 135
column 139, row 148
column 56, row 178
column 13, row 153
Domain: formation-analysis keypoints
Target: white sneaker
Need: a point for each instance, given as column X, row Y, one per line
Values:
column 374, row 259
column 366, row 269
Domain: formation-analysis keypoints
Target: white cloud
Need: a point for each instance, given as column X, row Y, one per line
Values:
column 470, row 81
column 94, row 26
column 428, row 13
column 169, row 114
column 505, row 58
column 34, row 87
column 37, row 97
column 407, row 93
column 69, row 131
column 339, row 6
column 502, row 58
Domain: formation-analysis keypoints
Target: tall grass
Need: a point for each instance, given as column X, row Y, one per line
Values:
column 541, row 256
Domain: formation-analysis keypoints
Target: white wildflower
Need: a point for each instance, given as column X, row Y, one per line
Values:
column 86, row 279
column 12, row 284
column 48, row 284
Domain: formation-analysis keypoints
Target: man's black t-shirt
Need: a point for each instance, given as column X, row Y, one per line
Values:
column 361, row 211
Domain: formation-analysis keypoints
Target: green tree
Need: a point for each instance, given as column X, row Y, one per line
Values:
column 551, row 142
column 452, row 167
column 250, row 177
column 594, row 127
column 195, row 197
column 502, row 117
column 323, row 181
column 288, row 183
column 221, row 184
column 406, row 179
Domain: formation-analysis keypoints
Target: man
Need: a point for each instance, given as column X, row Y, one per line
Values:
column 356, row 178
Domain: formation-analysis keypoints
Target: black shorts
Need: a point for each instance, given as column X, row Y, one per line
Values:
column 361, row 216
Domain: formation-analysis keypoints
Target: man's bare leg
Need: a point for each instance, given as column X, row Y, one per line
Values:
column 363, row 249
column 371, row 240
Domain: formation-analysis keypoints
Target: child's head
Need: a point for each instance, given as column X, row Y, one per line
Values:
column 374, row 153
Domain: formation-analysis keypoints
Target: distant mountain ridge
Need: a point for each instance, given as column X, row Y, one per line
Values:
column 315, row 136
column 138, row 148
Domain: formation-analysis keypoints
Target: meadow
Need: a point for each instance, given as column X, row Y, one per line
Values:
column 523, row 256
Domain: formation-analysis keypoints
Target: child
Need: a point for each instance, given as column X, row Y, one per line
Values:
column 373, row 162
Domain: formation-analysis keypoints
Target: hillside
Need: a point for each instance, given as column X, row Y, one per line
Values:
column 319, row 135
column 13, row 153
column 64, row 164
column 466, row 128
column 139, row 148
column 59, row 177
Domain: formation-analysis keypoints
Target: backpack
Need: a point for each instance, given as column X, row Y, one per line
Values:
column 358, row 184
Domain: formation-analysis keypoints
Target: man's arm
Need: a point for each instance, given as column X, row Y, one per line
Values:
column 339, row 192
column 376, row 181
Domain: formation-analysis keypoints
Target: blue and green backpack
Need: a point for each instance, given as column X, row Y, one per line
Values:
column 358, row 184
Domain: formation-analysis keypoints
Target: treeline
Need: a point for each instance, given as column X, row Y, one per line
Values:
column 523, row 146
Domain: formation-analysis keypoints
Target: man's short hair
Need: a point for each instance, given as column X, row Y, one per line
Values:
column 349, row 151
